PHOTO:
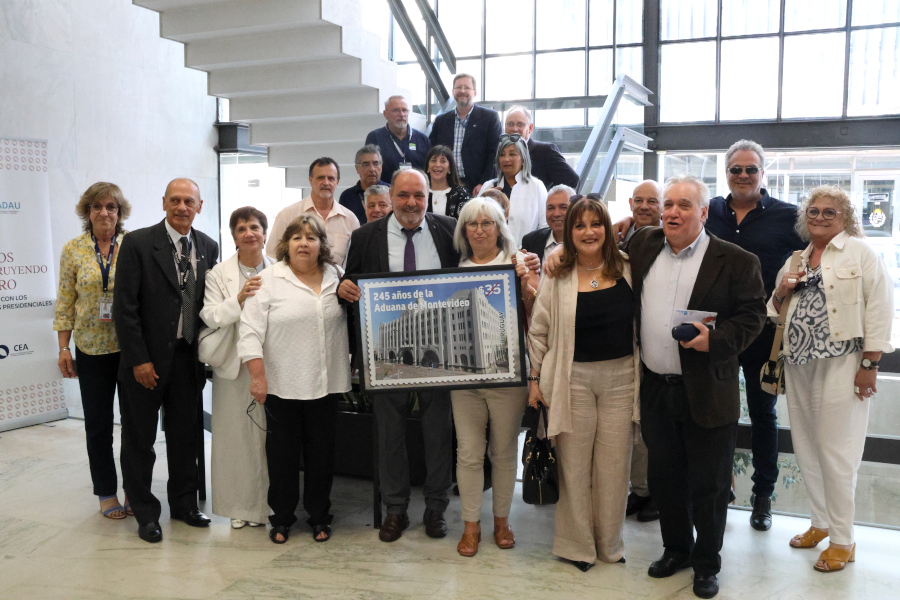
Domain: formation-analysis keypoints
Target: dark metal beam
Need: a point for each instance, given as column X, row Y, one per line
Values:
column 235, row 138
column 651, row 80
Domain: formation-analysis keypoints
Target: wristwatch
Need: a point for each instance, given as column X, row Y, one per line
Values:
column 869, row 365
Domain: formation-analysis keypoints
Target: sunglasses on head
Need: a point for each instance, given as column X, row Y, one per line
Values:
column 591, row 196
column 513, row 137
column 736, row 170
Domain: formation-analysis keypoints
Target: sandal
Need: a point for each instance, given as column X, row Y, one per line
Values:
column 468, row 545
column 503, row 537
column 318, row 529
column 835, row 559
column 114, row 511
column 809, row 538
column 279, row 530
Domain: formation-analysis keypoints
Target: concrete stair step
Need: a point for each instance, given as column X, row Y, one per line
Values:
column 237, row 17
column 290, row 155
column 315, row 130
column 283, row 106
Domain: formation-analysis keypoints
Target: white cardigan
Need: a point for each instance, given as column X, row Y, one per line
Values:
column 222, row 309
column 859, row 293
column 527, row 206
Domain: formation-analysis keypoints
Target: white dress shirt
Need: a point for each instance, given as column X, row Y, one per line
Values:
column 300, row 335
column 550, row 245
column 176, row 239
column 527, row 206
column 667, row 287
column 340, row 222
column 426, row 252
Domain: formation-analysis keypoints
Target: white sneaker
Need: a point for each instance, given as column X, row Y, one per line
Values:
column 238, row 523
column 252, row 524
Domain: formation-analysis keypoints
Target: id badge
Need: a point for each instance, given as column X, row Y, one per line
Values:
column 405, row 166
column 106, row 308
column 412, row 146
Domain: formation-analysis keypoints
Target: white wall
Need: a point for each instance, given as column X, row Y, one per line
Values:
column 115, row 103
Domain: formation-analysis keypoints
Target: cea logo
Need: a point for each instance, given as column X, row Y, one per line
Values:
column 4, row 351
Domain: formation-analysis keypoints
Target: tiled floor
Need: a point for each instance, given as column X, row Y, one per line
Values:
column 55, row 545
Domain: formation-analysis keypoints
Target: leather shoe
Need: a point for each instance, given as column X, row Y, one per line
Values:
column 761, row 517
column 705, row 586
column 392, row 527
column 635, row 503
column 667, row 566
column 648, row 512
column 194, row 518
column 435, row 525
column 150, row 532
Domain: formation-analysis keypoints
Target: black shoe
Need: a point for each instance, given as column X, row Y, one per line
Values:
column 435, row 524
column 705, row 586
column 667, row 566
column 150, row 532
column 635, row 503
column 648, row 512
column 392, row 527
column 584, row 566
column 761, row 517
column 194, row 518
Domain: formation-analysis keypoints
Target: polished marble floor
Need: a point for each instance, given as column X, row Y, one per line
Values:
column 55, row 545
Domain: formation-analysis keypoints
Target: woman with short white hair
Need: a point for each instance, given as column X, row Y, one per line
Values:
column 483, row 238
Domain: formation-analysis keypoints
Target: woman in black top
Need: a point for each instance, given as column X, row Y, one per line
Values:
column 446, row 195
column 584, row 367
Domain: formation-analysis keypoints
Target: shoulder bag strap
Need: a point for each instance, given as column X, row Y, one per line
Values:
column 782, row 314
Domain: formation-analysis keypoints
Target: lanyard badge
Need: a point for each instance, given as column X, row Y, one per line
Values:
column 105, row 305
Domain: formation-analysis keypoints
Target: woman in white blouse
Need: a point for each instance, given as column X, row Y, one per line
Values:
column 483, row 238
column 239, row 474
column 527, row 194
column 293, row 339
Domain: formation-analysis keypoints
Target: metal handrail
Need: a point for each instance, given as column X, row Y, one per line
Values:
column 433, row 29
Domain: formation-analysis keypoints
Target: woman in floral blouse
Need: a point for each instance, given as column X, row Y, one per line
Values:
column 87, row 271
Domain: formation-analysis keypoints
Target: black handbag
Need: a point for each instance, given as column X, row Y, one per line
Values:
column 540, row 476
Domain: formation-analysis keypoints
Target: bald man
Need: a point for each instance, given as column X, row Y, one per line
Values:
column 645, row 204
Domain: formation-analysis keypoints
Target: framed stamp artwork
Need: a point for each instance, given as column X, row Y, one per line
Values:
column 451, row 329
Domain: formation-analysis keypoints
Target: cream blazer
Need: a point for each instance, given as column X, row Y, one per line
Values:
column 222, row 309
column 551, row 348
column 859, row 293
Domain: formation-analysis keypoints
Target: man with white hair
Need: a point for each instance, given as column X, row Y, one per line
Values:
column 547, row 162
column 690, row 401
column 402, row 147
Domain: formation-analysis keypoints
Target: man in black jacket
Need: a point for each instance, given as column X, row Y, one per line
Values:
column 542, row 241
column 160, row 281
column 407, row 240
column 472, row 132
column 547, row 162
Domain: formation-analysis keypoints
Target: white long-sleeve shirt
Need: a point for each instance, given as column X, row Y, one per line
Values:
column 300, row 335
column 527, row 206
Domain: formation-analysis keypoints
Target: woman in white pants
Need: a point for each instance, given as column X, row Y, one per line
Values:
column 838, row 324
column 239, row 475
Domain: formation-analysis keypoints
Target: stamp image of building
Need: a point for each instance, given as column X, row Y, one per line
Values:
column 470, row 336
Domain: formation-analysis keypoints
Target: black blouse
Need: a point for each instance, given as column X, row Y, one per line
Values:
column 604, row 323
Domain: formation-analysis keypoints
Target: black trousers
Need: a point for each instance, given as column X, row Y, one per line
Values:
column 689, row 473
column 300, row 428
column 763, row 418
column 97, row 382
column 180, row 397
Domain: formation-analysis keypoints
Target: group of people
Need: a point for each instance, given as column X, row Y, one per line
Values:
column 631, row 410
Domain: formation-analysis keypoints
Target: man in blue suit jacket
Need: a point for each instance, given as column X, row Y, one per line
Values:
column 471, row 131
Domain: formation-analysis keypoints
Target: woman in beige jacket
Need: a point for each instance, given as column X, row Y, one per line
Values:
column 584, row 367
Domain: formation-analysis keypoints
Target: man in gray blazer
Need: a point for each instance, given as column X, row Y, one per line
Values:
column 160, row 282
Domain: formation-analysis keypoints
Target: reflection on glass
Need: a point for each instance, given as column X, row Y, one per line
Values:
column 629, row 21
column 688, row 19
column 747, row 17
column 813, row 76
column 699, row 165
column 873, row 12
column 688, row 82
column 803, row 15
column 874, row 72
column 749, row 79
column 560, row 24
column 459, row 19
column 565, row 117
column 411, row 83
column 601, row 24
column 509, row 26
column 559, row 74
column 508, row 78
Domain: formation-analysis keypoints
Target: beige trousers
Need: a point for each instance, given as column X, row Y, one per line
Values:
column 472, row 411
column 595, row 461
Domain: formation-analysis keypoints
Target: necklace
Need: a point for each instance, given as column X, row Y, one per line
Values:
column 249, row 272
column 594, row 283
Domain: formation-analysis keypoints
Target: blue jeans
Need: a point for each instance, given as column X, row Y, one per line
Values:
column 763, row 418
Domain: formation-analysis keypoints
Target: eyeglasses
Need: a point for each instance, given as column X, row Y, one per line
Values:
column 250, row 408
column 463, row 88
column 366, row 165
column 827, row 213
column 737, row 170
column 485, row 225
column 110, row 208
column 513, row 137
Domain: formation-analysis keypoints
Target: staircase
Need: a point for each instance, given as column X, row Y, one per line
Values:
column 304, row 74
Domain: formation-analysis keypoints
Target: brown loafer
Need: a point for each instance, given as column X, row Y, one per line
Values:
column 392, row 527
column 435, row 525
column 503, row 537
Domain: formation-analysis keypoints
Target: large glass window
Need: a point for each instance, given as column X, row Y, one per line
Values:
column 688, row 19
column 750, row 57
column 874, row 72
column 558, row 23
column 813, row 75
column 688, row 82
column 750, row 17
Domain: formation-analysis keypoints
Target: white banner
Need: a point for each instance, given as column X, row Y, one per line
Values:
column 31, row 388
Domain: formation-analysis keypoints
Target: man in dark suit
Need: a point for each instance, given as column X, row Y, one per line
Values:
column 472, row 132
column 408, row 239
column 547, row 162
column 160, row 281
column 690, row 403
column 542, row 241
